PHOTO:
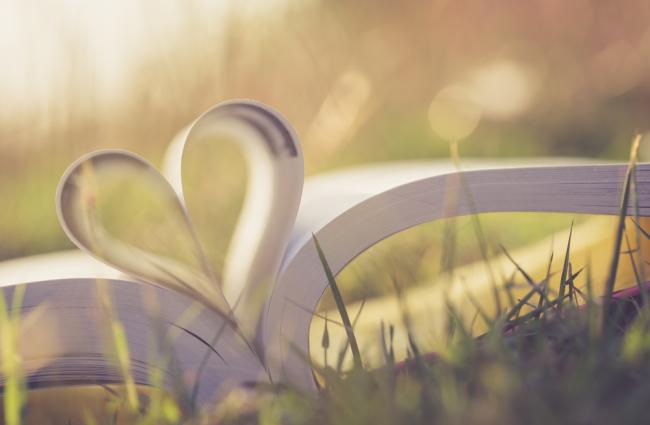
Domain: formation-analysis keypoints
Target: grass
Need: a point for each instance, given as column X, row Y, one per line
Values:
column 14, row 386
column 557, row 353
column 547, row 362
column 340, row 305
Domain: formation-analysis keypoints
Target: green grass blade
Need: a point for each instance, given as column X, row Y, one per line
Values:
column 565, row 266
column 543, row 297
column 344, row 349
column 340, row 305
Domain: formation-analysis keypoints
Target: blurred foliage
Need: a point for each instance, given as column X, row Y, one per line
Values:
column 356, row 79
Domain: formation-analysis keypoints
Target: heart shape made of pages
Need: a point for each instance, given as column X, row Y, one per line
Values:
column 119, row 208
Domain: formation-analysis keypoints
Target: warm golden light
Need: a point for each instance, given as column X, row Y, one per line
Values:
column 454, row 113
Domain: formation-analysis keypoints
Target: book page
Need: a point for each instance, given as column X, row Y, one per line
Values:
column 273, row 191
column 364, row 218
column 158, row 244
column 66, row 339
column 68, row 264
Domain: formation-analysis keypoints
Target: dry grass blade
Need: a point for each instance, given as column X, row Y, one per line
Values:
column 544, row 284
column 640, row 273
column 535, row 313
column 640, row 254
column 640, row 228
column 516, row 309
column 508, row 284
column 477, row 305
column 456, row 322
column 636, row 268
column 572, row 284
column 387, row 350
column 314, row 313
column 537, row 288
column 620, row 228
column 204, row 361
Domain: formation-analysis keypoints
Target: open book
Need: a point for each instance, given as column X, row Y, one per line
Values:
column 253, row 325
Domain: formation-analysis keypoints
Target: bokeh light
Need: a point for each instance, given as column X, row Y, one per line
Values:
column 454, row 113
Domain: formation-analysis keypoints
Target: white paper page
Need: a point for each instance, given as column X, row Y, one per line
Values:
column 326, row 196
column 69, row 264
column 364, row 219
column 67, row 342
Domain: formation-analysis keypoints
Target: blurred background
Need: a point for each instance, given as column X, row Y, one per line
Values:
column 361, row 81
